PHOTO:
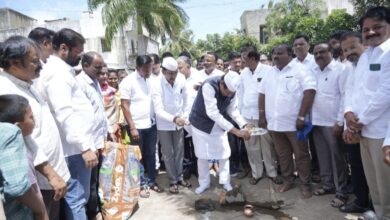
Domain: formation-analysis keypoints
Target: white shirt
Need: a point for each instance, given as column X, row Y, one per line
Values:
column 92, row 90
column 249, row 96
column 387, row 138
column 369, row 98
column 309, row 61
column 190, row 93
column 154, row 76
column 69, row 105
column 328, row 105
column 202, row 75
column 136, row 89
column 221, row 124
column 44, row 142
column 168, row 102
column 283, row 91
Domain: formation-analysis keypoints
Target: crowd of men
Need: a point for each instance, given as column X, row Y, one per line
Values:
column 325, row 119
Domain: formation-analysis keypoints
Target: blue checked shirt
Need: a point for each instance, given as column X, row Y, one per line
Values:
column 14, row 170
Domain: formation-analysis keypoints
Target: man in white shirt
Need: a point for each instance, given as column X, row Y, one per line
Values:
column 216, row 97
column 74, row 116
column 92, row 64
column 189, row 92
column 156, row 66
column 220, row 64
column 352, row 46
column 43, row 37
column 234, row 62
column 260, row 148
column 167, row 96
column 286, row 96
column 20, row 68
column 334, row 43
column 209, row 64
column 301, row 48
column 156, row 76
column 137, row 107
column 367, row 109
column 327, row 120
column 239, row 157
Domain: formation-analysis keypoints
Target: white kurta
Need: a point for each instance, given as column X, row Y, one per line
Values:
column 215, row 145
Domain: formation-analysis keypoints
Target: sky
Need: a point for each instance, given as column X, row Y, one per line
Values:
column 205, row 16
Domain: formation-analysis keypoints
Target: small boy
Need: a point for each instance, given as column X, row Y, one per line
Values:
column 22, row 198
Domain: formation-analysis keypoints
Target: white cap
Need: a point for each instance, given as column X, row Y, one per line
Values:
column 232, row 81
column 169, row 63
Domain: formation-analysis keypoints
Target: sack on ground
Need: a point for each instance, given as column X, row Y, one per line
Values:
column 119, row 180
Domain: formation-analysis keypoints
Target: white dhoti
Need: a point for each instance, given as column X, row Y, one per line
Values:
column 211, row 146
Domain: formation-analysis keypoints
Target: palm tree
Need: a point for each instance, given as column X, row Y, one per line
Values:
column 183, row 42
column 163, row 18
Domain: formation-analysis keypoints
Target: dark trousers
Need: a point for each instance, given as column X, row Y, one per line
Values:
column 52, row 207
column 147, row 143
column 315, row 168
column 358, row 178
column 93, row 201
column 287, row 145
column 190, row 161
column 333, row 168
column 92, row 207
column 234, row 144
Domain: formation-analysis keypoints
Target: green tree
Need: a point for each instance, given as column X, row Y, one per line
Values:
column 224, row 45
column 362, row 5
column 184, row 42
column 340, row 20
column 291, row 17
column 286, row 14
column 159, row 17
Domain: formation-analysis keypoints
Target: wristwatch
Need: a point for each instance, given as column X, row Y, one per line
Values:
column 301, row 118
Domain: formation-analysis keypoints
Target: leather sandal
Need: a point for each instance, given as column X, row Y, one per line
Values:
column 254, row 181
column 339, row 201
column 156, row 188
column 144, row 193
column 185, row 184
column 174, row 189
column 277, row 180
column 323, row 191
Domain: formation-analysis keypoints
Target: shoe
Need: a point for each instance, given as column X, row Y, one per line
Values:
column 352, row 208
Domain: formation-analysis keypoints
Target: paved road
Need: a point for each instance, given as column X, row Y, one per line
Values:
column 166, row 206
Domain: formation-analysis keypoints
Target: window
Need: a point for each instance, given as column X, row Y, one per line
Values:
column 263, row 36
column 105, row 46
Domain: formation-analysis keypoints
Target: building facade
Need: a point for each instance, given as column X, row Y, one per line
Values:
column 253, row 22
column 125, row 47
